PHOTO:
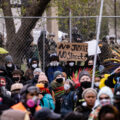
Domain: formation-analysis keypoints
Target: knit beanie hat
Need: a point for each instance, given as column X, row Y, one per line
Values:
column 42, row 77
column 84, row 73
column 37, row 70
column 34, row 59
column 8, row 58
column 89, row 90
column 105, row 90
column 16, row 86
column 56, row 73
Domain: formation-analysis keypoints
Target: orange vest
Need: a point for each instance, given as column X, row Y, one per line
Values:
column 21, row 107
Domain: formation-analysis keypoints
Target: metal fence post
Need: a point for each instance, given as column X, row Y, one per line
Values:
column 97, row 20
column 44, row 35
column 70, row 25
column 98, row 36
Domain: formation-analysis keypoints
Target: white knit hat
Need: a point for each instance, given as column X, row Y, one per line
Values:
column 105, row 90
column 37, row 70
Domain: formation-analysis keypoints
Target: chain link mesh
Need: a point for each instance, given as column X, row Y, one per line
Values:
column 35, row 37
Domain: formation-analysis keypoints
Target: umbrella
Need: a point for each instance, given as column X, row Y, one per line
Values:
column 3, row 51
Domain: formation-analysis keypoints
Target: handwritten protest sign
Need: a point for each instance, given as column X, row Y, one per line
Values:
column 72, row 51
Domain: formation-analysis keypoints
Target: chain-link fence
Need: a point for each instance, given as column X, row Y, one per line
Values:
column 27, row 37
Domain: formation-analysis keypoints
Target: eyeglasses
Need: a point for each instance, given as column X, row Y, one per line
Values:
column 101, row 98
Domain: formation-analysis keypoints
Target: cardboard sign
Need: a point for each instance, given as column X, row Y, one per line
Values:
column 72, row 51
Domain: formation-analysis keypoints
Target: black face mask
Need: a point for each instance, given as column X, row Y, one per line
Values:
column 16, row 97
column 36, row 77
column 59, row 80
column 86, row 84
column 117, row 105
column 15, row 79
column 35, row 80
column 10, row 68
column 46, row 85
column 90, row 66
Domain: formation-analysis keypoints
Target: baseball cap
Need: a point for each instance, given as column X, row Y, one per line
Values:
column 46, row 113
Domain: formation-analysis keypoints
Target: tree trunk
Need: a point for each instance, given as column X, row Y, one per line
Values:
column 18, row 43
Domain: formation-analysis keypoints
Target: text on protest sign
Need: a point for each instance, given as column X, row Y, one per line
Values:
column 72, row 51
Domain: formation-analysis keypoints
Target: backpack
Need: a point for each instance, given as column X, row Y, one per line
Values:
column 48, row 101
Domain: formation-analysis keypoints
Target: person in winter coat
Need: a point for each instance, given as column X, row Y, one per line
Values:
column 5, row 100
column 9, row 65
column 85, row 82
column 68, row 100
column 46, row 99
column 57, row 86
column 3, row 89
column 17, row 76
column 104, row 97
column 4, row 75
column 53, row 66
column 32, row 78
column 28, row 76
column 36, row 74
column 34, row 63
column 44, row 80
column 15, row 92
column 89, row 95
column 113, row 80
column 29, row 101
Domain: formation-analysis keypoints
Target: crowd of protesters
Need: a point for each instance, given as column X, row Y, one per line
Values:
column 62, row 92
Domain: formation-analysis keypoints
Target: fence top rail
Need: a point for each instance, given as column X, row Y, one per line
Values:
column 56, row 17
